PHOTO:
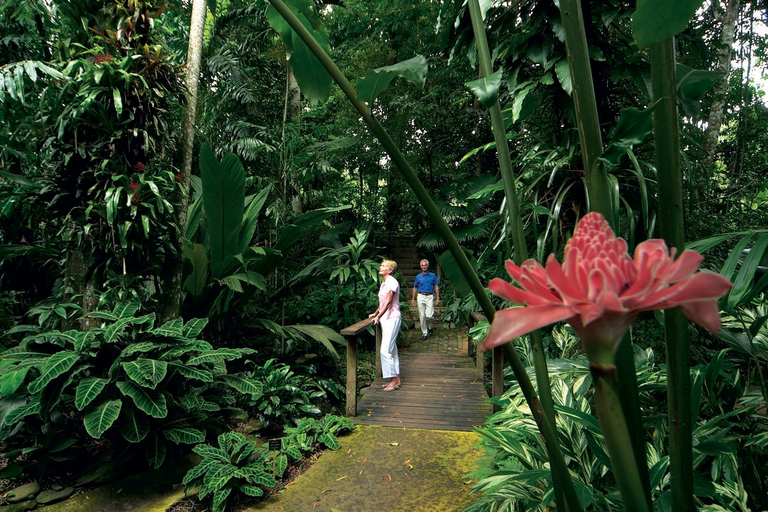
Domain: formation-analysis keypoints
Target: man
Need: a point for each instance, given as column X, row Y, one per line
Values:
column 425, row 285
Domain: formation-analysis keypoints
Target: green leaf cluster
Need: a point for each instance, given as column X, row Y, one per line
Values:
column 127, row 379
column 240, row 464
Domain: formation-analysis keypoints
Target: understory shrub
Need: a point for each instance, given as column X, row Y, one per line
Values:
column 730, row 440
column 240, row 464
column 129, row 384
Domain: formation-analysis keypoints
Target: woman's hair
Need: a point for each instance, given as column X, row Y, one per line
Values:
column 390, row 264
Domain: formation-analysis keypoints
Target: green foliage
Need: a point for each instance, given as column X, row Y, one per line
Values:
column 239, row 464
column 377, row 80
column 128, row 380
column 285, row 398
column 729, row 438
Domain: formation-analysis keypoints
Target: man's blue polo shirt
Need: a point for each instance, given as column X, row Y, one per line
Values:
column 426, row 283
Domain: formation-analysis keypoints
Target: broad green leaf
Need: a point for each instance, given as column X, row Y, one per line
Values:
column 194, row 327
column 215, row 356
column 563, row 72
column 223, row 204
column 377, row 80
column 313, row 79
column 486, row 89
column 220, row 498
column 150, row 401
column 135, row 426
column 197, row 471
column 187, row 435
column 454, row 274
column 125, row 309
column 197, row 258
column 155, row 450
column 11, row 380
column 657, row 20
column 243, row 385
column 56, row 365
column 100, row 418
column 146, row 372
column 23, row 410
column 633, row 126
column 112, row 332
column 323, row 334
column 216, row 478
column 252, row 490
column 117, row 98
column 251, row 218
column 694, row 84
column 745, row 277
column 88, row 389
column 192, row 373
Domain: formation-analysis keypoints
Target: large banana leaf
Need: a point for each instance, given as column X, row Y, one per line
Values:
column 136, row 426
column 223, row 205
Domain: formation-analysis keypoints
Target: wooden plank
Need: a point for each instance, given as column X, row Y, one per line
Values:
column 351, row 376
column 439, row 391
column 355, row 329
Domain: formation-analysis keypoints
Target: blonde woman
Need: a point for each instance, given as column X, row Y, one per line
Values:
column 388, row 315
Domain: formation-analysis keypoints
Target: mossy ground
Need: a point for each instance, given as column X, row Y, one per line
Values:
column 384, row 469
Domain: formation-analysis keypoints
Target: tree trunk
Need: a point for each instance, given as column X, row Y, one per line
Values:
column 171, row 304
column 722, row 64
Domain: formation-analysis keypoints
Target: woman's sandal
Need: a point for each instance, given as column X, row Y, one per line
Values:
column 391, row 388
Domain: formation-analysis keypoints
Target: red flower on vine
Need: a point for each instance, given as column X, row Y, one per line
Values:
column 134, row 186
column 177, row 177
column 600, row 288
column 135, row 199
column 139, row 166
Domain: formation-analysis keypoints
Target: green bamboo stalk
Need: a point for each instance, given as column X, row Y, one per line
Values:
column 672, row 229
column 514, row 222
column 599, row 191
column 546, row 426
column 590, row 139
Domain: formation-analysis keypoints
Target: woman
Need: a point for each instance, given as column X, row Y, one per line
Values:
column 388, row 315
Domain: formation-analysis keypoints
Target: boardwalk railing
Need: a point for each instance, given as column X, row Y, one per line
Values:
column 352, row 334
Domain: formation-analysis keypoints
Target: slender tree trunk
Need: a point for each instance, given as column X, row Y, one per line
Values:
column 291, row 113
column 722, row 64
column 171, row 306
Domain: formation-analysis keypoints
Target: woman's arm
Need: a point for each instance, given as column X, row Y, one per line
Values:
column 384, row 308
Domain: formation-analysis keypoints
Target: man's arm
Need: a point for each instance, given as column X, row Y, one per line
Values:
column 437, row 291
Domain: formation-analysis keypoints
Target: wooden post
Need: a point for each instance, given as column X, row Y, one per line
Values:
column 474, row 318
column 351, row 375
column 352, row 333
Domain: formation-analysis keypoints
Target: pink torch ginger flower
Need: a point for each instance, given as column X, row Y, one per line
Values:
column 600, row 288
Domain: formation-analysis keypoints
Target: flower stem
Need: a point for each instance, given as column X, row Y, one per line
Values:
column 617, row 438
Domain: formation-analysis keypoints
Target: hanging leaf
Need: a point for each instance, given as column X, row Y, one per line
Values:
column 223, row 204
column 135, row 427
column 98, row 420
column 657, row 20
column 694, row 84
column 486, row 89
column 184, row 435
column 377, row 80
column 454, row 274
column 633, row 126
column 563, row 72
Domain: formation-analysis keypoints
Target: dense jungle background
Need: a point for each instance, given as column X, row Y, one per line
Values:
column 182, row 240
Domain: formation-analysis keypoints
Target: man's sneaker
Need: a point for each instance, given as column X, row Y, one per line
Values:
column 423, row 337
column 430, row 332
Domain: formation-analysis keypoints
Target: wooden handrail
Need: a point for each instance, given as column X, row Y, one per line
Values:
column 352, row 334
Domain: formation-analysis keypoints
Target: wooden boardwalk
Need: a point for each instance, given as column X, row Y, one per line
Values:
column 439, row 389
